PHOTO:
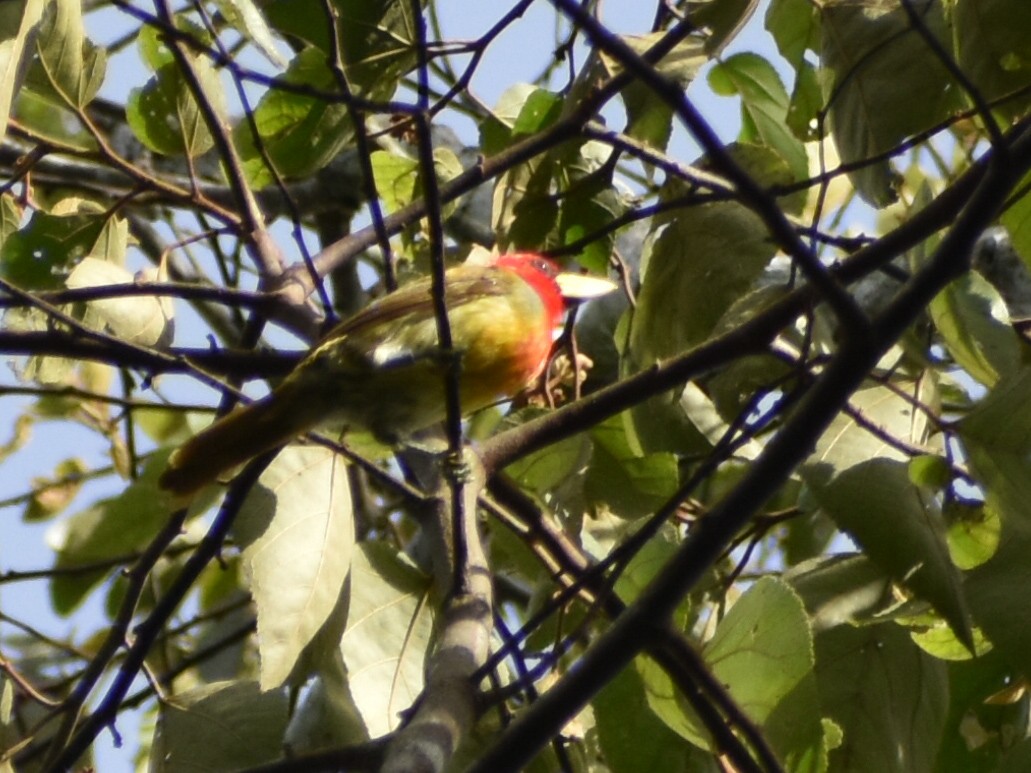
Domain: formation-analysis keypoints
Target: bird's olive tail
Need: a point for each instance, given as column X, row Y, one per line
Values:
column 230, row 441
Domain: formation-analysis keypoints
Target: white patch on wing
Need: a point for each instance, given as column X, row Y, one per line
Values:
column 389, row 353
column 405, row 345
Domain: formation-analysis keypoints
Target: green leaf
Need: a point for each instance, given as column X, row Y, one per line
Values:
column 841, row 589
column 975, row 326
column 300, row 133
column 153, row 46
column 52, row 495
column 679, row 65
column 396, row 177
column 554, row 199
column 703, row 414
column 721, row 19
column 622, row 479
column 973, row 533
column 806, row 105
column 930, row 471
column 10, row 216
column 764, row 107
column 525, row 208
column 649, row 119
column 993, row 49
column 297, row 532
column 762, row 652
column 376, row 38
column 554, row 467
column 326, row 716
column 9, row 735
column 74, row 67
column 631, row 736
column 51, row 120
column 795, row 27
column 847, row 442
column 997, row 438
column 705, row 258
column 219, row 727
column 1017, row 220
column 938, row 639
column 36, row 257
column 977, row 731
column 496, row 129
column 388, row 636
column 246, row 17
column 697, row 265
column 541, row 109
column 645, row 565
column 18, row 27
column 889, row 697
column 446, row 166
column 589, row 203
column 164, row 114
column 901, row 529
column 139, row 319
column 864, row 48
column 109, row 529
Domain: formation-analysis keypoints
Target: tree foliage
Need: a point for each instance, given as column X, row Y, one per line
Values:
column 767, row 510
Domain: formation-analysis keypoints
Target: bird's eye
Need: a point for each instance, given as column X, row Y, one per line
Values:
column 546, row 267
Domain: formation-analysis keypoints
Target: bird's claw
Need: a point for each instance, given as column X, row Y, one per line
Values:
column 457, row 467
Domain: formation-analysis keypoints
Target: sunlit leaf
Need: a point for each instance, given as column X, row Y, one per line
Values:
column 388, row 636
column 396, row 177
column 973, row 535
column 139, row 319
column 299, row 133
column 246, row 17
column 650, row 119
column 36, row 256
column 847, row 442
column 52, row 495
column 297, row 532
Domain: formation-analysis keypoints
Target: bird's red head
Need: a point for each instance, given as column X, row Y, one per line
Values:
column 540, row 273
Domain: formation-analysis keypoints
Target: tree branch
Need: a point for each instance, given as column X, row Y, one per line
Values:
column 448, row 708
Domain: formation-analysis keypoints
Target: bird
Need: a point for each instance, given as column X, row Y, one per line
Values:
column 382, row 370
